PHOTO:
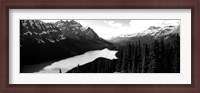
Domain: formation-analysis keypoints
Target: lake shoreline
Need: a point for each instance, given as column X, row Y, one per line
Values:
column 69, row 63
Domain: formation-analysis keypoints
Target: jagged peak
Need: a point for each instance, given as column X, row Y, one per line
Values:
column 73, row 21
column 153, row 27
column 155, row 31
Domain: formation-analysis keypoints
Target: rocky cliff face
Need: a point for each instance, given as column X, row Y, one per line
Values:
column 43, row 42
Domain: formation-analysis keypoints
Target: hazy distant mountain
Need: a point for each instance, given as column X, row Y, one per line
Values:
column 42, row 42
column 152, row 32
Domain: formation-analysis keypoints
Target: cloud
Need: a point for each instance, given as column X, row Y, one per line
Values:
column 112, row 28
column 171, row 22
column 141, row 25
column 134, row 26
column 50, row 21
column 113, row 24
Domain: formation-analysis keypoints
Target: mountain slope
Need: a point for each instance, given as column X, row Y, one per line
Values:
column 148, row 35
column 100, row 65
column 43, row 42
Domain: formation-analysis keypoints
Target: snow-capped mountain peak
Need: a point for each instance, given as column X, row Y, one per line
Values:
column 152, row 31
column 40, row 32
column 156, row 31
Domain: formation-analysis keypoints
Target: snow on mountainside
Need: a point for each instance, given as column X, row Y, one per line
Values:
column 152, row 31
column 43, row 42
column 39, row 32
column 74, row 29
column 42, row 32
column 156, row 31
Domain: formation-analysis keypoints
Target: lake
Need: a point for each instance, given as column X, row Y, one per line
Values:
column 69, row 63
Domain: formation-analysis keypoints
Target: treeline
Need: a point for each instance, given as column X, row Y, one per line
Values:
column 158, row 56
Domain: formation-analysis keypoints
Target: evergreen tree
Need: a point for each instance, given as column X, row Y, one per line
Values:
column 157, row 56
column 146, row 59
column 60, row 71
column 139, row 60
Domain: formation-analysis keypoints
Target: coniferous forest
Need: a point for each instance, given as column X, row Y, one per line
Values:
column 152, row 56
column 68, row 47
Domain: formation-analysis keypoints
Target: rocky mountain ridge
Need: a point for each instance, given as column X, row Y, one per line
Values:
column 152, row 32
column 44, row 42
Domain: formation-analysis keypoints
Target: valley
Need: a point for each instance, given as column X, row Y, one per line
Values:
column 155, row 50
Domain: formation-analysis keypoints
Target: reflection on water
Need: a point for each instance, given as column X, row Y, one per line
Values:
column 72, row 62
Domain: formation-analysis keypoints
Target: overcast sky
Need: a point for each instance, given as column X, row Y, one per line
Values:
column 111, row 28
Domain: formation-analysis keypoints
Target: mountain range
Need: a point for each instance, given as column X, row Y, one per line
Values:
column 148, row 35
column 43, row 42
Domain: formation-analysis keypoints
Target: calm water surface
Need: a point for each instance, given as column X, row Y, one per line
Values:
column 72, row 62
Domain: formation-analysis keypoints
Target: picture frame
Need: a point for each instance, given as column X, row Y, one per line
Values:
column 102, row 4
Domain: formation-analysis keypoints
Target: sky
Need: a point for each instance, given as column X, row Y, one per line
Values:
column 112, row 28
